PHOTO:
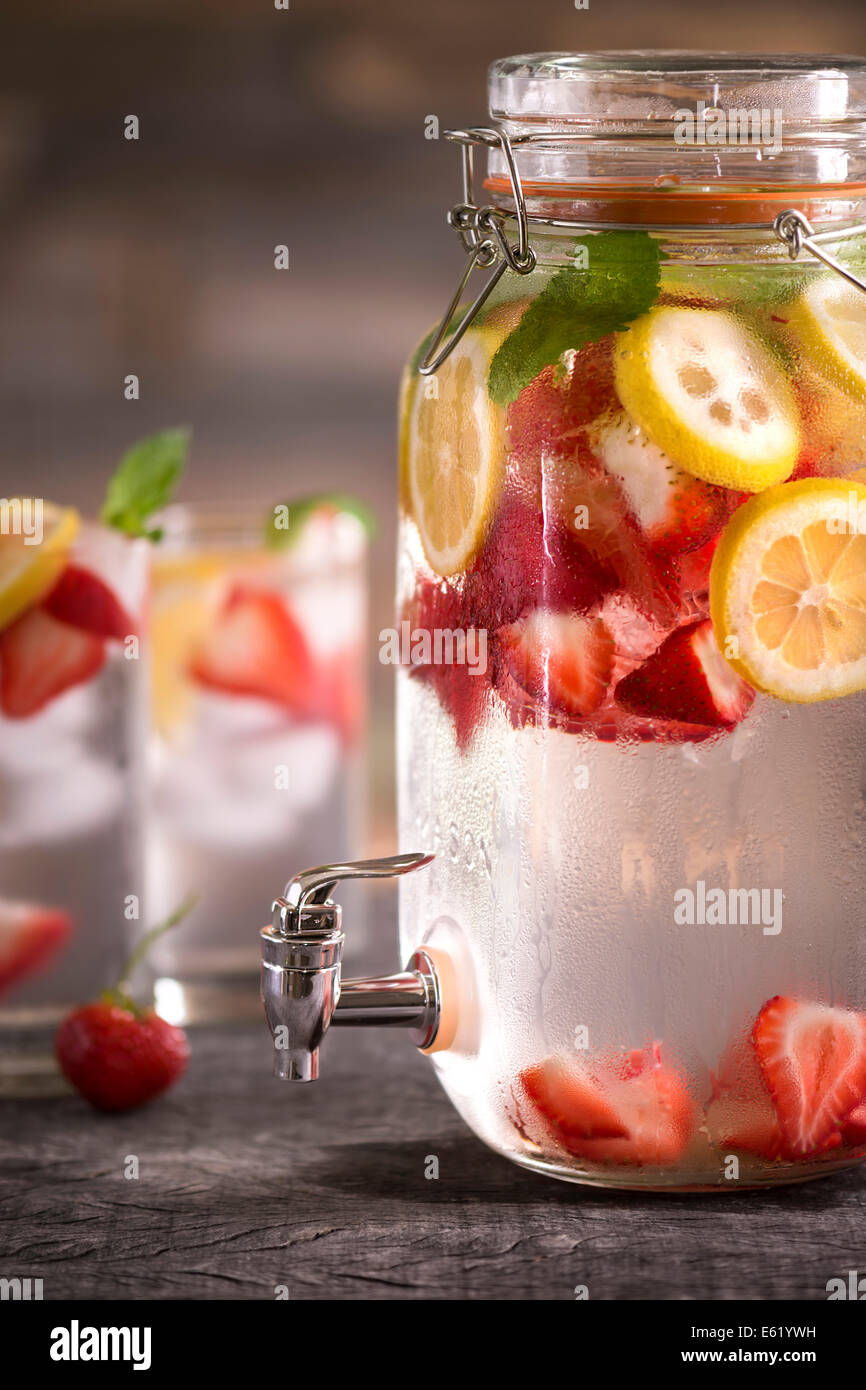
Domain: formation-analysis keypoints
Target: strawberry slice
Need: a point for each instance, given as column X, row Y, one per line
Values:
column 465, row 696
column 854, row 1128
column 83, row 600
column 562, row 659
column 813, row 1059
column 528, row 561
column 573, row 1105
column 562, row 401
column 694, row 570
column 40, row 658
column 29, row 936
column 256, row 648
column 600, row 518
column 675, row 512
column 636, row 1113
column 750, row 1127
column 554, row 467
column 740, row 1112
column 658, row 1111
column 688, row 679
column 440, row 608
column 337, row 695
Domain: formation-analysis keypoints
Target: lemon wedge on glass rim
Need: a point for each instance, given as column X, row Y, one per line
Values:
column 453, row 452
column 788, row 590
column 710, row 394
column 830, row 319
column 30, row 567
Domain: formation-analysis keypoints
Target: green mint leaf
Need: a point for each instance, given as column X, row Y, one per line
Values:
column 144, row 481
column 578, row 307
column 286, row 521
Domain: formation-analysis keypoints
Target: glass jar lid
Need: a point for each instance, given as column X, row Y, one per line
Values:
column 676, row 118
column 771, row 147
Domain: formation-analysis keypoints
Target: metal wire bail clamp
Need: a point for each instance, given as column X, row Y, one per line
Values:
column 482, row 234
column 481, row 230
column 790, row 227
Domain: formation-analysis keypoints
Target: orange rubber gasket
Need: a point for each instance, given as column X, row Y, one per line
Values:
column 632, row 202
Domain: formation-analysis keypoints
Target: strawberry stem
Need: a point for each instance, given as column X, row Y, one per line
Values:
column 120, row 993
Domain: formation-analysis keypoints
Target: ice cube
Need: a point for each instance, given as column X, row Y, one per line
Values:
column 253, row 791
column 66, row 797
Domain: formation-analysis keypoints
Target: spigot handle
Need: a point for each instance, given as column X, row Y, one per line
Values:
column 302, row 989
column 315, row 886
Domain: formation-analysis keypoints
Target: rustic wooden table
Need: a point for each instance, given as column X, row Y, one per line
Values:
column 245, row 1183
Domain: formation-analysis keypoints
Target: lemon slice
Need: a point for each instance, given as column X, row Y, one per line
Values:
column 788, row 590
column 831, row 319
column 30, row 565
column 184, row 586
column 454, row 452
column 710, row 395
column 202, row 566
column 177, row 626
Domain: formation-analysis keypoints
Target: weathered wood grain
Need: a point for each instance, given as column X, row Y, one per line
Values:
column 246, row 1184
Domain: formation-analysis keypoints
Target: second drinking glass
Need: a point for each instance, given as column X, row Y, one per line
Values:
column 258, row 708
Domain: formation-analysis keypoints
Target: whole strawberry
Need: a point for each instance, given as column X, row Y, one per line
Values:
column 118, row 1059
column 116, row 1054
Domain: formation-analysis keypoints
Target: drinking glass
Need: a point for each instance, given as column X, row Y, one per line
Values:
column 73, row 719
column 258, row 705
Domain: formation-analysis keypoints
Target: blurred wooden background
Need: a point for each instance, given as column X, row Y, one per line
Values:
column 261, row 126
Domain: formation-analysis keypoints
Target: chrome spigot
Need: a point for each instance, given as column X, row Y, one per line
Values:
column 301, row 961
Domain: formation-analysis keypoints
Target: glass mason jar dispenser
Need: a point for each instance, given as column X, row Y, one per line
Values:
column 632, row 720
column 632, row 473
